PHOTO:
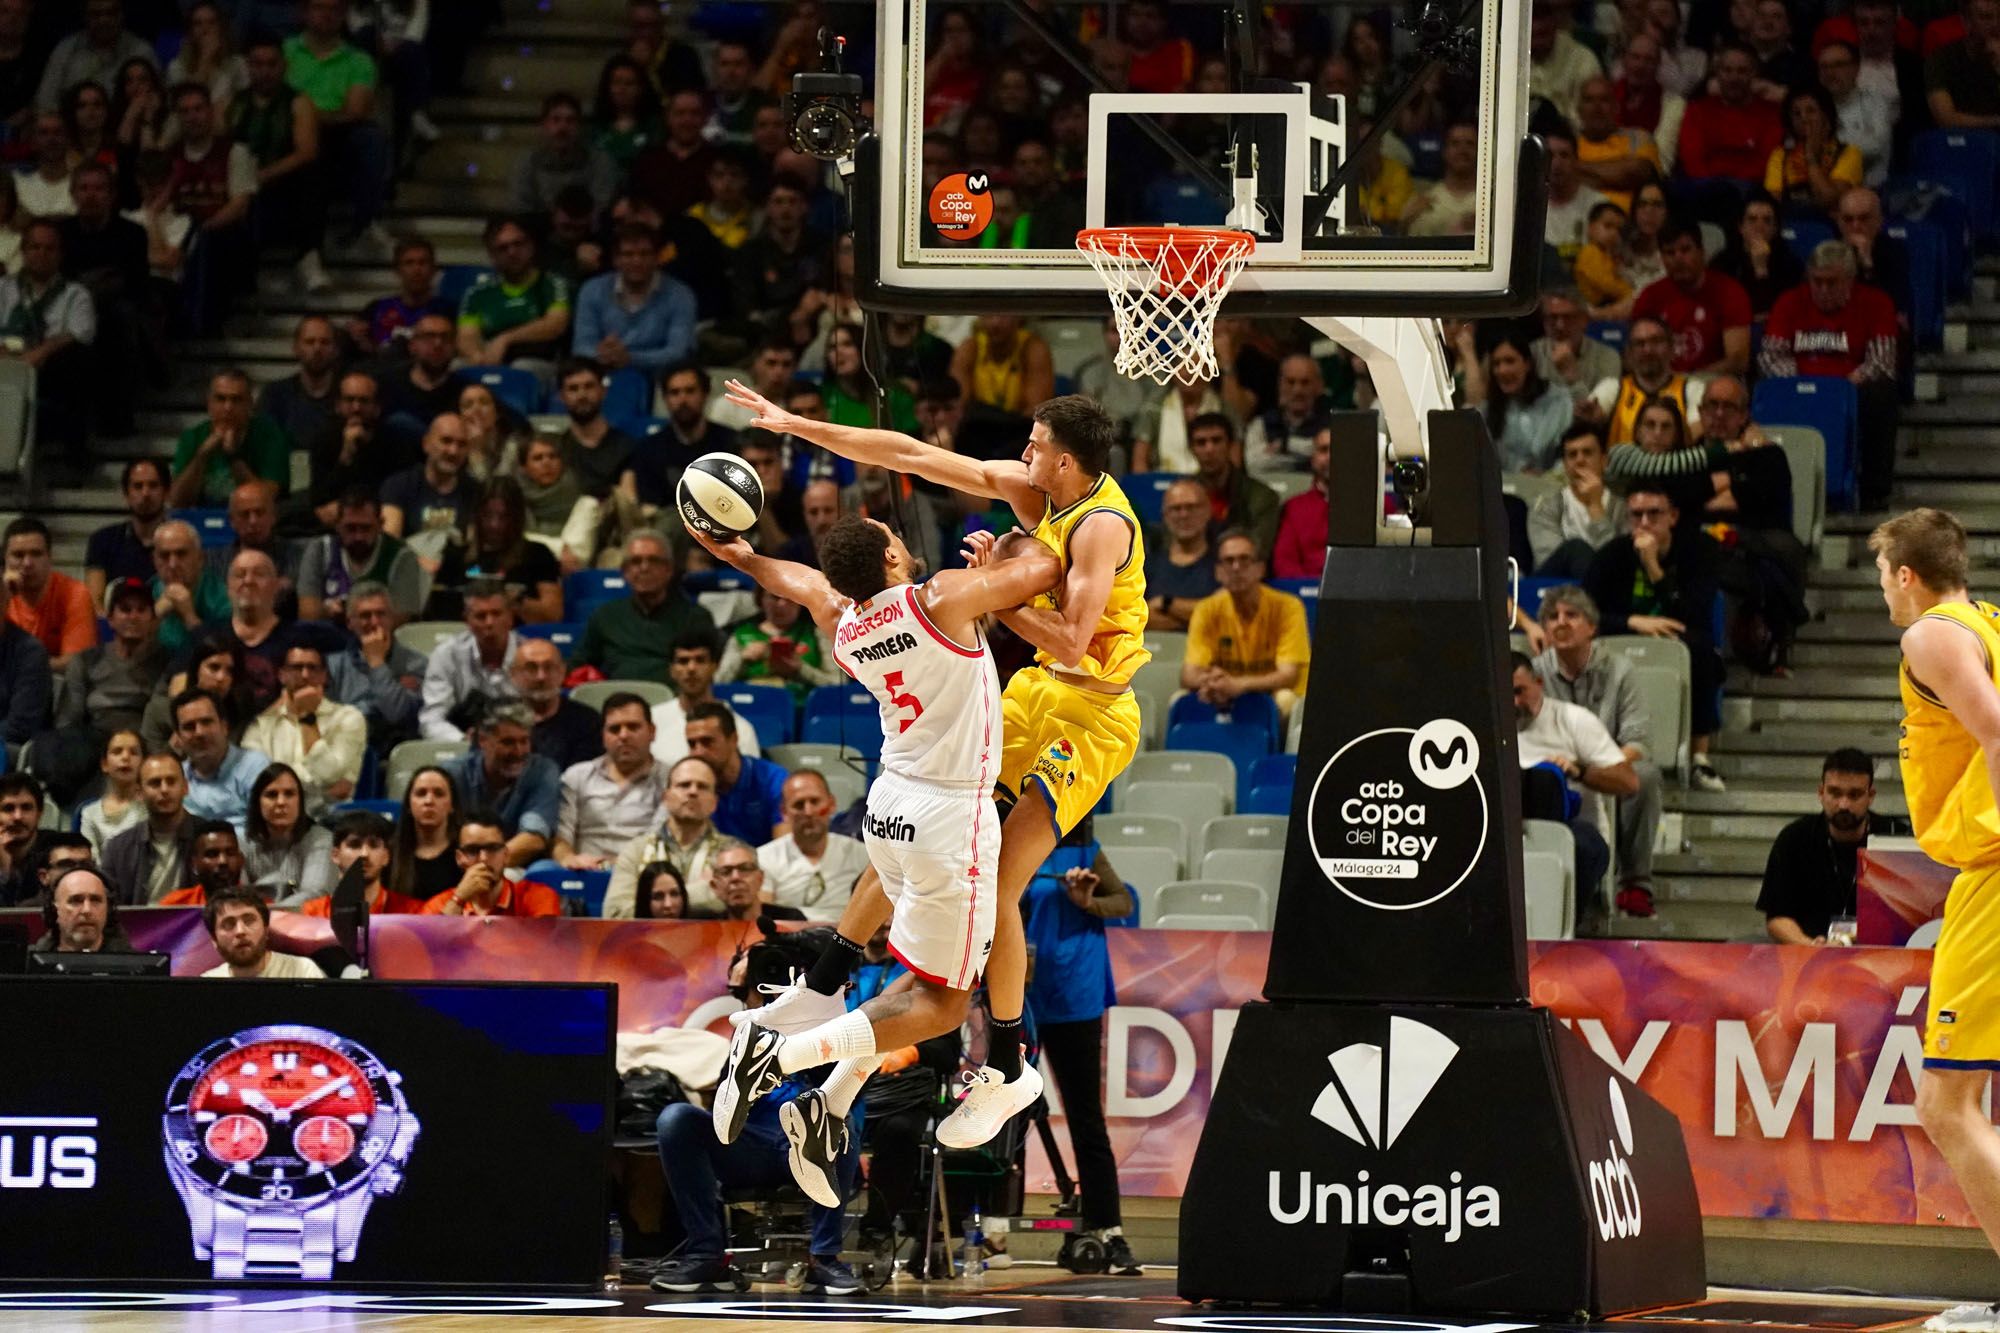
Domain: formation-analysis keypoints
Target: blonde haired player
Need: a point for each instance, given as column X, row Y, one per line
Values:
column 1950, row 756
column 1072, row 722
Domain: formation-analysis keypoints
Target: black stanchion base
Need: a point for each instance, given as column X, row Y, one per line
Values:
column 1388, row 1158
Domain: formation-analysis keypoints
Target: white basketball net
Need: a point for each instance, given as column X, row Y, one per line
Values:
column 1165, row 296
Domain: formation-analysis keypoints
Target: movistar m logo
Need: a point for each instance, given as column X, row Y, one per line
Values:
column 1433, row 757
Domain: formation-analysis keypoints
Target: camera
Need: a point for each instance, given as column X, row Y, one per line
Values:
column 824, row 109
column 1410, row 480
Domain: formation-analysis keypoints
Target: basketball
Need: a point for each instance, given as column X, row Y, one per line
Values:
column 720, row 496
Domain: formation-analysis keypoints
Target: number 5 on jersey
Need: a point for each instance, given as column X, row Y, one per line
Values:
column 902, row 699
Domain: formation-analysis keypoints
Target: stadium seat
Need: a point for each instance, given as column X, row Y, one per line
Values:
column 628, row 401
column 1244, row 744
column 1926, row 246
column 1269, row 800
column 1427, row 154
column 1248, row 710
column 717, row 580
column 374, row 805
column 1144, row 869
column 588, row 589
column 1275, row 770
column 1168, row 647
column 1610, row 332
column 1155, row 685
column 1242, row 864
column 582, row 890
column 423, row 636
column 1550, row 894
column 1801, row 235
column 1147, row 492
column 844, row 768
column 1214, row 897
column 1669, row 699
column 564, row 634
column 410, row 756
column 1307, row 591
column 1531, row 594
column 1192, row 803
column 1827, row 404
column 592, row 694
column 369, row 784
column 1170, row 765
column 1647, row 650
column 1256, row 833
column 844, row 715
column 455, row 280
column 1122, row 830
column 1965, row 161
column 211, row 525
column 768, row 708
column 517, row 388
column 1805, row 456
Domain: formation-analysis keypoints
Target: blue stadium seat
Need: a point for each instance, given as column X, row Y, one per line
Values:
column 1147, row 492
column 376, row 805
column 564, row 634
column 1244, row 745
column 582, row 890
column 211, row 525
column 844, row 715
column 1827, row 404
column 717, row 580
column 1925, row 244
column 1426, row 156
column 1266, row 800
column 628, row 401
column 1274, row 770
column 1610, row 332
column 1531, row 594
column 588, row 589
column 369, row 784
column 768, row 708
column 1968, row 163
column 1253, row 710
column 1307, row 591
column 517, row 388
column 1802, row 234
column 455, row 280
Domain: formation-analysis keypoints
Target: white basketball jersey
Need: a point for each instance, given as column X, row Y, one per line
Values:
column 940, row 702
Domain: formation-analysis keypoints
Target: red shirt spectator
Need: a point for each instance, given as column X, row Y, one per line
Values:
column 381, row 903
column 1161, row 62
column 1732, row 132
column 1831, row 325
column 45, row 602
column 1707, row 312
column 1300, row 551
column 526, row 898
column 1840, row 28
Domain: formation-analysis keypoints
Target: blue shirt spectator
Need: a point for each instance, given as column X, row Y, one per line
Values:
column 753, row 804
column 635, row 315
column 501, row 773
column 224, row 793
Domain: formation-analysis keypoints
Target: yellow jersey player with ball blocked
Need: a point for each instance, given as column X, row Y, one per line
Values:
column 1950, row 756
column 1070, row 723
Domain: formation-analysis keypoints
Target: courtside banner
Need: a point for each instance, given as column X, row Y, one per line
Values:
column 1790, row 1069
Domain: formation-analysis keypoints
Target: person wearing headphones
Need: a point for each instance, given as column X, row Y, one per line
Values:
column 81, row 916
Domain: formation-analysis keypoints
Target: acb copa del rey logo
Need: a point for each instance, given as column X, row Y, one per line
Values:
column 1398, row 817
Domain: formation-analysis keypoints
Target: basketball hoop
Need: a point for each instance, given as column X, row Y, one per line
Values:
column 1166, row 286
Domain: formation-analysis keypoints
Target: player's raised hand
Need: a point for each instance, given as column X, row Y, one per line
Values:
column 732, row 552
column 765, row 414
column 978, row 549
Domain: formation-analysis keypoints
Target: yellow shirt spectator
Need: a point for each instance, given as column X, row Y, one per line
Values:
column 1598, row 278
column 1787, row 180
column 1274, row 636
column 1384, row 198
column 1618, row 146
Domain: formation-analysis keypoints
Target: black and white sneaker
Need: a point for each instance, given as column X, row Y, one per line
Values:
column 818, row 1138
column 1974, row 1318
column 1118, row 1257
column 829, row 1277
column 751, row 1072
column 699, row 1275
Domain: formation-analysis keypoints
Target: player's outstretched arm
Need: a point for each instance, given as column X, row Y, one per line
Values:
column 898, row 452
column 1010, row 572
column 1951, row 662
column 787, row 578
column 1099, row 545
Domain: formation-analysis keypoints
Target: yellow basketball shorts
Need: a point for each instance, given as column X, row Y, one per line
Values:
column 1963, row 1027
column 1070, row 742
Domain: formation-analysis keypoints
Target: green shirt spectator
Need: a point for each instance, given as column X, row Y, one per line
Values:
column 777, row 648
column 629, row 642
column 325, row 79
column 520, row 309
column 495, row 305
column 264, row 449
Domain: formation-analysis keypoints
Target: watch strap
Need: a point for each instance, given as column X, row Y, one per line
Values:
column 274, row 1243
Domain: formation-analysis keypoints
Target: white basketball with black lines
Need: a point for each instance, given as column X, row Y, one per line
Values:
column 720, row 495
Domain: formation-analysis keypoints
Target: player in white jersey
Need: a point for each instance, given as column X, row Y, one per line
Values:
column 932, row 833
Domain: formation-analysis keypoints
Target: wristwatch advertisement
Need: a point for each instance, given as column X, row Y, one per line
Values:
column 278, row 1140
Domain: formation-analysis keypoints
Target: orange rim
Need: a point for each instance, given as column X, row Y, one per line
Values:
column 1187, row 260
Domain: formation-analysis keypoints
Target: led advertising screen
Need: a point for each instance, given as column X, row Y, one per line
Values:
column 271, row 1131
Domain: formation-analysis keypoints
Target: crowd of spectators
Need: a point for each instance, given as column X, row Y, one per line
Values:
column 464, row 459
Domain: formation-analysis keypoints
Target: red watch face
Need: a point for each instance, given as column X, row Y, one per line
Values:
column 237, row 1138
column 324, row 1140
column 283, row 1083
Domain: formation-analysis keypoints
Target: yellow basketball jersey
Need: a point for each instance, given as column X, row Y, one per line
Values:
column 1944, row 773
column 1116, row 649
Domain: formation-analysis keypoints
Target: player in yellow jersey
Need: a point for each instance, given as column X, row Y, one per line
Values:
column 1070, row 722
column 1950, row 756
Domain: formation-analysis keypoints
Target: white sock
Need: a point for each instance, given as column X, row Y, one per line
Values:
column 848, row 1037
column 845, row 1084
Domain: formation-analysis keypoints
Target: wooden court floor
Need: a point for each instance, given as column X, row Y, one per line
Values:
column 1025, row 1297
